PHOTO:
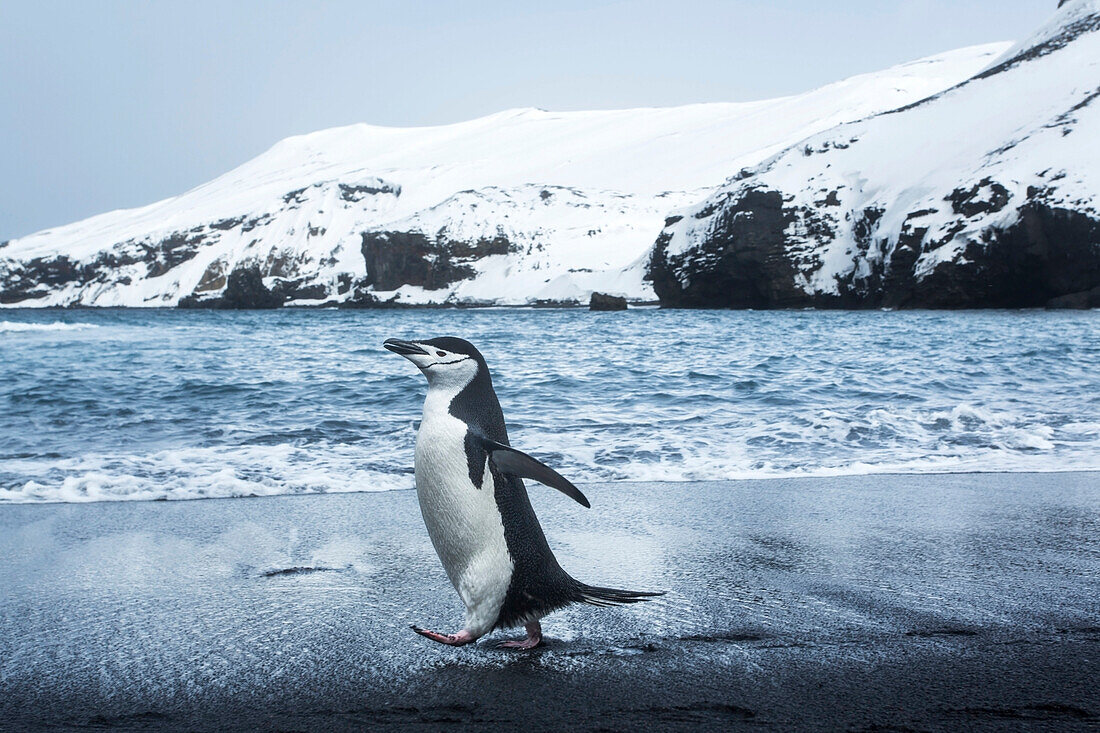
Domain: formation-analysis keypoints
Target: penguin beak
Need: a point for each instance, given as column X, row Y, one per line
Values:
column 405, row 348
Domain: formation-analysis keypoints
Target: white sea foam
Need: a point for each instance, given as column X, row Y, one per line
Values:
column 291, row 403
column 19, row 326
column 199, row 473
column 263, row 470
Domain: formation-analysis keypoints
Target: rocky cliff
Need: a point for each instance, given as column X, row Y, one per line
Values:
column 985, row 195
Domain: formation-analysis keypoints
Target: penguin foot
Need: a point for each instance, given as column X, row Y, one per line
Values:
column 534, row 638
column 460, row 639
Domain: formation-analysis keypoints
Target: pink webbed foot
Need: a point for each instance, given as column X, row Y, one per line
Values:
column 460, row 639
column 534, row 638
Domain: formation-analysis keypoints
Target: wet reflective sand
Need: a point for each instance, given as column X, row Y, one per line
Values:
column 950, row 601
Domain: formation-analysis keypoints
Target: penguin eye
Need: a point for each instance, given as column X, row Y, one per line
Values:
column 441, row 353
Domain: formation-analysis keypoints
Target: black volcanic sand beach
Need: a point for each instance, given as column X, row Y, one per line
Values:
column 885, row 602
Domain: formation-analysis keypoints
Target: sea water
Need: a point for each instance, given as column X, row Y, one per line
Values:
column 164, row 404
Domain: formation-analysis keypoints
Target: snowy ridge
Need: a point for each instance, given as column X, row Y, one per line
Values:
column 299, row 211
column 920, row 205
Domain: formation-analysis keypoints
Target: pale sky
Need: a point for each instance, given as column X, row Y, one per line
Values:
column 114, row 104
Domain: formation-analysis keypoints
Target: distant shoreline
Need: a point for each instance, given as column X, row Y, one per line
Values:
column 643, row 305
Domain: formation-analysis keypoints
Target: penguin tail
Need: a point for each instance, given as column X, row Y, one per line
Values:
column 597, row 596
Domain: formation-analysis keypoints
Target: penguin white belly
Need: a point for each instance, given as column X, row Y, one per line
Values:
column 462, row 519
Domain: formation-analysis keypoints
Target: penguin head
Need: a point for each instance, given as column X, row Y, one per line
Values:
column 446, row 361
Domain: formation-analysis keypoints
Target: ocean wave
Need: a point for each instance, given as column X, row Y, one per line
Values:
column 20, row 326
column 198, row 473
column 246, row 404
column 807, row 449
column 188, row 474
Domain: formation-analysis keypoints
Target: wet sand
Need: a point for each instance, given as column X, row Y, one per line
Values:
column 904, row 602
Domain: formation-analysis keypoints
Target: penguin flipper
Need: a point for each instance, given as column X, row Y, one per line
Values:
column 517, row 463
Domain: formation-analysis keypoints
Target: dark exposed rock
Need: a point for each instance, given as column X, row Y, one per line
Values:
column 973, row 201
column 366, row 300
column 36, row 277
column 855, row 289
column 245, row 290
column 360, row 295
column 284, row 263
column 170, row 252
column 826, row 146
column 864, row 226
column 32, row 279
column 53, row 272
column 604, row 302
column 358, row 193
column 256, row 221
column 343, row 283
column 897, row 267
column 295, row 197
column 394, row 259
column 743, row 264
column 213, row 278
column 299, row 290
column 226, row 224
column 348, row 192
column 159, row 257
column 1049, row 256
column 315, row 291
column 1081, row 300
column 195, row 300
column 1047, row 253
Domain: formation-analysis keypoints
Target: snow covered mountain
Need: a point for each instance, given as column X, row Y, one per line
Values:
column 517, row 207
column 983, row 195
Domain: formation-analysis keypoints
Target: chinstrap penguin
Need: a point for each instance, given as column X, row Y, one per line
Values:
column 475, row 506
